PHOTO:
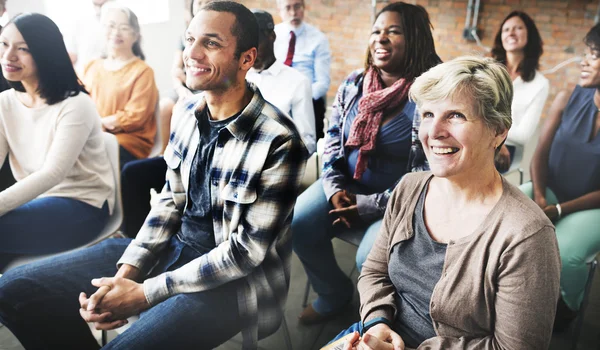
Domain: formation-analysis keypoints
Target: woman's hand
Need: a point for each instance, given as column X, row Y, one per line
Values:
column 378, row 337
column 503, row 159
column 540, row 201
column 551, row 212
column 111, row 124
column 345, row 208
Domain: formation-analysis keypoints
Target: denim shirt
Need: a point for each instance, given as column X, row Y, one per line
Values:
column 255, row 176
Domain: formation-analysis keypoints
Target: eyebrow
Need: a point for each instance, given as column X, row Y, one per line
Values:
column 15, row 43
column 210, row 35
column 397, row 26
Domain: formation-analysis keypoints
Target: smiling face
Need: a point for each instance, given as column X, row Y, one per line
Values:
column 119, row 33
column 514, row 34
column 291, row 11
column 456, row 141
column 17, row 62
column 590, row 68
column 209, row 56
column 387, row 44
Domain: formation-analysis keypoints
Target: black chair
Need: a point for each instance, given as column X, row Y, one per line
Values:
column 584, row 303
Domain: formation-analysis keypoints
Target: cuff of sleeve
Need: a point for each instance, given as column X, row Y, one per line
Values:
column 367, row 207
column 330, row 189
column 123, row 119
column 156, row 289
column 387, row 313
column 136, row 256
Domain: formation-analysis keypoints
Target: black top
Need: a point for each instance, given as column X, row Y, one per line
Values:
column 197, row 222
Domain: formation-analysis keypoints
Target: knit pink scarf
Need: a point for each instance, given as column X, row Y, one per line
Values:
column 374, row 102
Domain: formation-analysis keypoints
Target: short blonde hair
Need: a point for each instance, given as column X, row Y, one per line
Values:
column 484, row 80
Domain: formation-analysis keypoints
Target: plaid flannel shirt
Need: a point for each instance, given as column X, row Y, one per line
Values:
column 255, row 176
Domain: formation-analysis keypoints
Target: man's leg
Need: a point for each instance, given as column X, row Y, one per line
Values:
column 319, row 108
column 311, row 235
column 39, row 301
column 201, row 320
column 137, row 178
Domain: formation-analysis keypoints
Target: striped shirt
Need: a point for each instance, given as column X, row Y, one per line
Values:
column 255, row 176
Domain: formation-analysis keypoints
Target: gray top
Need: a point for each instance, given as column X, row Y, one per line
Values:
column 574, row 161
column 197, row 223
column 414, row 285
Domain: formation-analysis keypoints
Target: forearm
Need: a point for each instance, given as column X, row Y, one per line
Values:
column 539, row 173
column 585, row 202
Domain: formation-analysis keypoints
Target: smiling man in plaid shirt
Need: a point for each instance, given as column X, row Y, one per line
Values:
column 213, row 256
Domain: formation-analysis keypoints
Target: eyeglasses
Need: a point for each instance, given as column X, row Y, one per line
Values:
column 295, row 7
column 120, row 28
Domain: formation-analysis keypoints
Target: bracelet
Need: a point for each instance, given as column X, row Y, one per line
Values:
column 371, row 323
column 559, row 209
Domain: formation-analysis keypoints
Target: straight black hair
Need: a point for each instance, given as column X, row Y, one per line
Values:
column 245, row 28
column 420, row 54
column 533, row 50
column 56, row 77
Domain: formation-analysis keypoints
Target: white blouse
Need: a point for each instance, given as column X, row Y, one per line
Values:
column 528, row 102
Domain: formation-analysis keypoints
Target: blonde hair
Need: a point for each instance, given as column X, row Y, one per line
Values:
column 483, row 80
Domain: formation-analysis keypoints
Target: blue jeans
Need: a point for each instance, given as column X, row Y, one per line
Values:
column 39, row 303
column 48, row 225
column 311, row 236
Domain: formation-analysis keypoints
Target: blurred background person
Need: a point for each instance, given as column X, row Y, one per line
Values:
column 518, row 45
column 122, row 85
column 565, row 178
column 285, row 87
column 305, row 48
column 51, row 133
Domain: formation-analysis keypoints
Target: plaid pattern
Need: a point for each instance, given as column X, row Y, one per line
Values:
column 257, row 167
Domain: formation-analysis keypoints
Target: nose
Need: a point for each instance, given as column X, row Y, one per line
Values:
column 194, row 51
column 437, row 128
column 382, row 37
column 8, row 53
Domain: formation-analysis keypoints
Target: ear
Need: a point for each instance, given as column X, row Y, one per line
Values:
column 272, row 36
column 500, row 138
column 247, row 59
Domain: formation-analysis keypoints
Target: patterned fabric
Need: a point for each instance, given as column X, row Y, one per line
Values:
column 257, row 167
column 334, row 178
column 375, row 100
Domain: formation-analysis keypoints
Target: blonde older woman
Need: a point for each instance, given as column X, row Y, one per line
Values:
column 464, row 260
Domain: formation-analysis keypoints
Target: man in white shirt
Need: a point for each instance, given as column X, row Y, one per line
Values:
column 285, row 87
column 305, row 48
column 86, row 39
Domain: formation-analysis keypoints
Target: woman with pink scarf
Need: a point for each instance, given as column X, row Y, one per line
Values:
column 368, row 150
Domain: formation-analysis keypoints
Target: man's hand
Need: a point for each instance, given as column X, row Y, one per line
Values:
column 344, row 207
column 116, row 299
column 503, row 159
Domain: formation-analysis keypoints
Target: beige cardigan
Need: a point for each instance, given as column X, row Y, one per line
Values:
column 499, row 285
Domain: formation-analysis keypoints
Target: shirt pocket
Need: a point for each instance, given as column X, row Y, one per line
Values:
column 240, row 195
column 174, row 161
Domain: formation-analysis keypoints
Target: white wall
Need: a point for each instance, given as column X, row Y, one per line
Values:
column 14, row 7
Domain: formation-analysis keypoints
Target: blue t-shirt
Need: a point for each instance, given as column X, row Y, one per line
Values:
column 574, row 161
column 389, row 161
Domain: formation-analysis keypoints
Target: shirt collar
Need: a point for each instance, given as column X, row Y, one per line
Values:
column 298, row 31
column 274, row 69
column 244, row 123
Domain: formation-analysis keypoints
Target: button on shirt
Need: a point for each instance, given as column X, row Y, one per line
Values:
column 312, row 56
column 290, row 91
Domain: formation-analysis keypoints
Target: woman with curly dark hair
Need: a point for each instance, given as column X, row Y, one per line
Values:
column 518, row 45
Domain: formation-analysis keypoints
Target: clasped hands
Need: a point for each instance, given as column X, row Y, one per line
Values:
column 116, row 299
column 344, row 208
column 378, row 337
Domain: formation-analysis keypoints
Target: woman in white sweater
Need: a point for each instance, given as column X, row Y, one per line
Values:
column 52, row 135
column 519, row 46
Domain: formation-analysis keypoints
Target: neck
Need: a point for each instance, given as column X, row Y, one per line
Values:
column 472, row 189
column 224, row 104
column 268, row 62
column 32, row 94
column 389, row 78
column 513, row 60
column 597, row 98
column 120, row 55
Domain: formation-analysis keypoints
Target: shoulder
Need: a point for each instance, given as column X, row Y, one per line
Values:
column 315, row 32
column 294, row 74
column 519, row 218
column 140, row 67
column 81, row 107
column 411, row 184
column 93, row 66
